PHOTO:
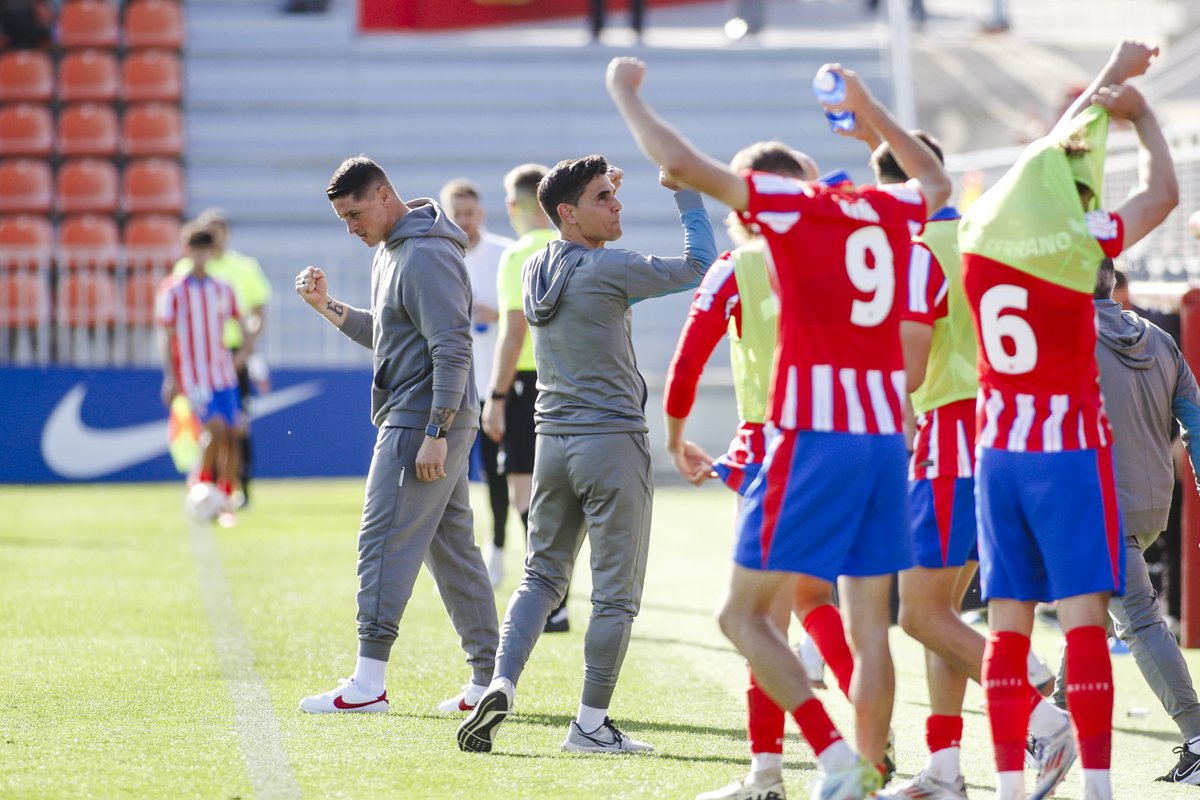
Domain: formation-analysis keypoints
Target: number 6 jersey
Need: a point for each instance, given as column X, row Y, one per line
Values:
column 839, row 258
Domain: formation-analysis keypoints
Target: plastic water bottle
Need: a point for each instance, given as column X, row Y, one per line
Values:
column 830, row 89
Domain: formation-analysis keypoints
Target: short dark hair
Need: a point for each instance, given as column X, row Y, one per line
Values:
column 565, row 183
column 354, row 178
column 774, row 157
column 196, row 236
column 887, row 170
column 1106, row 280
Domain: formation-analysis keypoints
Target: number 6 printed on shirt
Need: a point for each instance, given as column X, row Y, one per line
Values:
column 879, row 281
column 995, row 325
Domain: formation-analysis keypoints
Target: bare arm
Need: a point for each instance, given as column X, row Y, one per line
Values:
column 663, row 145
column 508, row 350
column 915, row 338
column 1157, row 192
column 1128, row 60
column 689, row 458
column 313, row 288
column 165, row 341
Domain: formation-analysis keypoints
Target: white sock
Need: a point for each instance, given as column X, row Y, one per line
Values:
column 589, row 719
column 1097, row 784
column 762, row 762
column 1047, row 720
column 473, row 692
column 1193, row 744
column 505, row 684
column 837, row 756
column 369, row 675
column 1010, row 785
column 944, row 765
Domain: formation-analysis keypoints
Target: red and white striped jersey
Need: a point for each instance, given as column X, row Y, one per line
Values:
column 839, row 257
column 928, row 289
column 1039, row 388
column 195, row 310
column 717, row 301
column 944, row 446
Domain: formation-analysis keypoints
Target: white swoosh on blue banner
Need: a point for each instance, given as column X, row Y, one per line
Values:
column 74, row 450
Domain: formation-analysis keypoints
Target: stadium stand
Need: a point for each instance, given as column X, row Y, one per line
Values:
column 87, row 129
column 26, row 75
column 26, row 243
column 26, row 129
column 88, row 75
column 153, row 23
column 152, row 185
column 152, row 129
column 88, row 241
column 151, row 243
column 87, row 23
column 86, row 185
column 28, row 186
column 151, row 75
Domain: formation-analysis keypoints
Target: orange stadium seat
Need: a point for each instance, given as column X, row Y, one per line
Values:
column 26, row 75
column 151, row 242
column 28, row 186
column 86, row 184
column 25, row 242
column 23, row 300
column 151, row 75
column 88, row 241
column 152, row 129
column 87, row 23
column 26, row 130
column 152, row 185
column 87, row 75
column 86, row 299
column 154, row 23
column 141, row 294
column 87, row 129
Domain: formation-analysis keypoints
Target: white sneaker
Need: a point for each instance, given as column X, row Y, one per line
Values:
column 855, row 783
column 1054, row 754
column 479, row 728
column 605, row 739
column 926, row 787
column 494, row 558
column 466, row 700
column 810, row 657
column 1040, row 675
column 766, row 785
column 346, row 697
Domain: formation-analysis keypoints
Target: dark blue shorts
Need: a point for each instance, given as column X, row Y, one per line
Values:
column 828, row 504
column 223, row 403
column 942, row 517
column 1049, row 526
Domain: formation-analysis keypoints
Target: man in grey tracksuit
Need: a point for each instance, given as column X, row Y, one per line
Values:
column 1147, row 386
column 591, row 471
column 424, row 403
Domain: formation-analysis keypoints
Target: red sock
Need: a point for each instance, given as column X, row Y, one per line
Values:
column 824, row 625
column 942, row 731
column 225, row 486
column 764, row 723
column 205, row 476
column 1006, row 686
column 816, row 725
column 1090, row 694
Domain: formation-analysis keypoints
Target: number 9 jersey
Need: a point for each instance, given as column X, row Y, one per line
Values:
column 839, row 257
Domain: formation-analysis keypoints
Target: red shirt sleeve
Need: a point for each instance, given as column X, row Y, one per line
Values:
column 927, row 288
column 715, row 303
column 1109, row 230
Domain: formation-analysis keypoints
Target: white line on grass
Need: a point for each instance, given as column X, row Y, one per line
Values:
column 257, row 727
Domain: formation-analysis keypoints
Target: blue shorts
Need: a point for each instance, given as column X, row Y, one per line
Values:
column 223, row 403
column 738, row 477
column 828, row 504
column 1049, row 526
column 942, row 518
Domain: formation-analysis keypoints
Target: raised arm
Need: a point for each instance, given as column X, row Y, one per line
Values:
column 313, row 288
column 663, row 145
column 1157, row 192
column 1128, row 60
column 917, row 160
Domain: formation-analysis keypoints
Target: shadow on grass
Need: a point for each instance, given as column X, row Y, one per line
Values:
column 106, row 543
column 670, row 609
column 672, row 642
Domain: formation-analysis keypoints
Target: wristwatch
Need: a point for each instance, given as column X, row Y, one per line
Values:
column 499, row 395
column 435, row 431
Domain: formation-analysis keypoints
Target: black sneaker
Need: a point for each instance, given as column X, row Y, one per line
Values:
column 1186, row 771
column 557, row 622
column 478, row 730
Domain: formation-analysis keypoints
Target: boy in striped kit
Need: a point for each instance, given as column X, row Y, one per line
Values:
column 193, row 309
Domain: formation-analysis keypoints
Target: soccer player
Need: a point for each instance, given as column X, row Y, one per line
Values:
column 193, row 310
column 591, row 470
column 1045, row 494
column 830, row 499
column 736, row 297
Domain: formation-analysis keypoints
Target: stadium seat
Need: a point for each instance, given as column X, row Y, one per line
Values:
column 26, row 75
column 87, row 242
column 87, row 75
column 86, row 185
column 152, row 129
column 153, row 23
column 87, row 129
column 152, row 185
column 151, row 242
column 86, row 299
column 23, row 300
column 26, row 130
column 141, row 294
column 87, row 23
column 151, row 75
column 25, row 242
column 28, row 186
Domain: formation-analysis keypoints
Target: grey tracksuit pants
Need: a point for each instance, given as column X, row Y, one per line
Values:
column 600, row 484
column 406, row 522
column 1138, row 622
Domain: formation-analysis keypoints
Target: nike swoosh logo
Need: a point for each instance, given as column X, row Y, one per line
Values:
column 74, row 450
column 338, row 702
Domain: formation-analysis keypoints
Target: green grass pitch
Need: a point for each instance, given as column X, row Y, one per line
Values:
column 139, row 658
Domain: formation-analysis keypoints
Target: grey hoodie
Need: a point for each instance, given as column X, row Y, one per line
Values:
column 419, row 323
column 578, row 301
column 1146, row 385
